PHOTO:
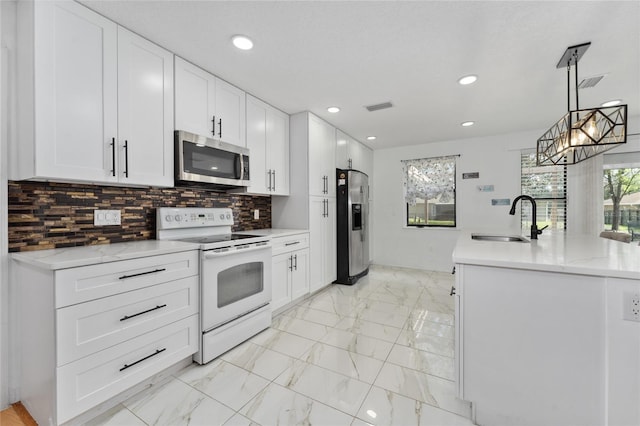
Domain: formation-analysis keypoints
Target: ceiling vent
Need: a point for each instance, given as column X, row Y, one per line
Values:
column 377, row 107
column 590, row 82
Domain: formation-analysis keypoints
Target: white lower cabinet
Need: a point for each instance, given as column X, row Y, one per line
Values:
column 322, row 242
column 531, row 346
column 290, row 270
column 89, row 333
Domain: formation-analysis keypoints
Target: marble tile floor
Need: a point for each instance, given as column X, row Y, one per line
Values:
column 379, row 352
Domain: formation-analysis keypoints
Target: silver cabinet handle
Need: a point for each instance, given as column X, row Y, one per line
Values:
column 274, row 180
column 213, row 128
column 295, row 257
column 293, row 243
column 290, row 263
column 220, row 128
column 350, row 163
column 269, row 178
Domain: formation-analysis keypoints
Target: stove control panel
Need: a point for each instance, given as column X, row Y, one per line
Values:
column 191, row 217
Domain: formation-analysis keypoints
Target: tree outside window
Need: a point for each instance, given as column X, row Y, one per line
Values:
column 622, row 200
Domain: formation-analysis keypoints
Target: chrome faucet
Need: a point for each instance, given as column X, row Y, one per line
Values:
column 534, row 227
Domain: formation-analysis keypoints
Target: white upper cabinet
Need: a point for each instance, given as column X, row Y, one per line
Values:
column 145, row 111
column 91, row 96
column 351, row 154
column 268, row 143
column 322, row 157
column 207, row 105
column 195, row 92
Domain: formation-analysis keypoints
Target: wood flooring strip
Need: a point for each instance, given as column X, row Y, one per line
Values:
column 16, row 415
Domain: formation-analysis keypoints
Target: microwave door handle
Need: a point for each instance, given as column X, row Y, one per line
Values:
column 239, row 166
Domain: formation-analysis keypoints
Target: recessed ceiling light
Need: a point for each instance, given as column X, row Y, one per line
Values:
column 468, row 79
column 371, row 138
column 468, row 123
column 242, row 42
column 611, row 103
column 333, row 109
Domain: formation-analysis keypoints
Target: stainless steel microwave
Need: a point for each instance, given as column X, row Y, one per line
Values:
column 201, row 160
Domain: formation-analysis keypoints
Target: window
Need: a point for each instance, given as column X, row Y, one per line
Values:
column 430, row 191
column 548, row 186
column 621, row 181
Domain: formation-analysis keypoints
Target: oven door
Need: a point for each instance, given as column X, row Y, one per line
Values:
column 233, row 283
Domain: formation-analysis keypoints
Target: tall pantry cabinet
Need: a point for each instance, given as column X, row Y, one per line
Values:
column 312, row 201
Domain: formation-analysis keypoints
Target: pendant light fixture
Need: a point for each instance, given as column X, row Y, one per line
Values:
column 581, row 133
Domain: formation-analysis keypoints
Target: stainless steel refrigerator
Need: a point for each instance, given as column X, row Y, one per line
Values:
column 352, row 225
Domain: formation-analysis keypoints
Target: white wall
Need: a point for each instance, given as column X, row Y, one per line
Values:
column 496, row 158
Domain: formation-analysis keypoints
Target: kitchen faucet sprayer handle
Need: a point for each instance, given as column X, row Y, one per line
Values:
column 542, row 229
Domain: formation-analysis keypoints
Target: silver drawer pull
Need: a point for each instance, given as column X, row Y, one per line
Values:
column 124, row 277
column 143, row 359
column 290, row 244
column 126, row 317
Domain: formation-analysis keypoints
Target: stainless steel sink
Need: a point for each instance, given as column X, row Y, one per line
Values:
column 500, row 238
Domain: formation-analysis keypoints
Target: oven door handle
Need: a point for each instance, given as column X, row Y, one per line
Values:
column 212, row 254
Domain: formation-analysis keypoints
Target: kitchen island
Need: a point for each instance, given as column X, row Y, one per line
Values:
column 540, row 333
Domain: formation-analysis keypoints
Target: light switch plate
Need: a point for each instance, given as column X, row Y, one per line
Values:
column 256, row 214
column 106, row 217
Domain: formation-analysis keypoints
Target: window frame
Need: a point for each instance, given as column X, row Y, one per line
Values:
column 523, row 217
column 455, row 199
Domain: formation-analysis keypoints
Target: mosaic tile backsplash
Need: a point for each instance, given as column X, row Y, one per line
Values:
column 45, row 215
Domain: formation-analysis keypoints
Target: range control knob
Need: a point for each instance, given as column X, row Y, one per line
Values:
column 178, row 218
column 222, row 216
column 228, row 215
column 168, row 218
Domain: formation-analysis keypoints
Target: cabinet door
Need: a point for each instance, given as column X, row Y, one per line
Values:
column 230, row 113
column 75, row 92
column 300, row 274
column 321, row 145
column 342, row 150
column 145, row 111
column 280, row 286
column 256, row 142
column 194, row 99
column 330, row 243
column 278, row 150
column 317, row 220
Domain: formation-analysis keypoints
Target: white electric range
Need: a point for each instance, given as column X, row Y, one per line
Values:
column 235, row 275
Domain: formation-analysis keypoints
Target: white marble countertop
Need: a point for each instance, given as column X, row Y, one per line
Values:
column 274, row 232
column 62, row 258
column 554, row 252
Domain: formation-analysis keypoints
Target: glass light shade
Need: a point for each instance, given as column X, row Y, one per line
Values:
column 581, row 134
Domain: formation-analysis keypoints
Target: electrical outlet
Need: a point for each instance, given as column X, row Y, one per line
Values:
column 256, row 214
column 106, row 217
column 631, row 309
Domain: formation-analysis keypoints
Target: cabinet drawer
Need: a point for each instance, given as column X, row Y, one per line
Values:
column 85, row 383
column 290, row 243
column 89, row 327
column 76, row 285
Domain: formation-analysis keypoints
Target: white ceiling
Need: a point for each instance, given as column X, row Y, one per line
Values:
column 309, row 55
